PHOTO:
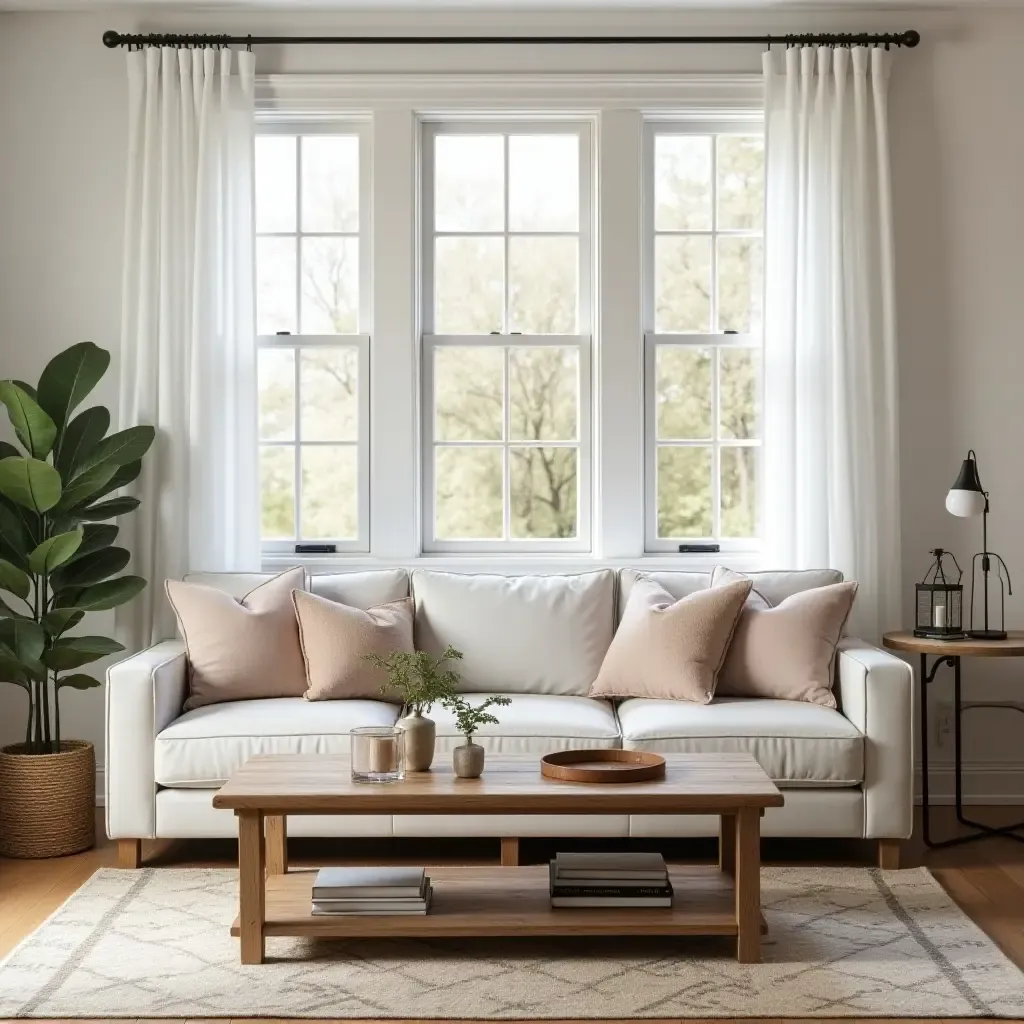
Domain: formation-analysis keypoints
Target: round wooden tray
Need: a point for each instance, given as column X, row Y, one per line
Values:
column 602, row 766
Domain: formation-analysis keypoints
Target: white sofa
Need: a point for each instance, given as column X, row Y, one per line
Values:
column 539, row 639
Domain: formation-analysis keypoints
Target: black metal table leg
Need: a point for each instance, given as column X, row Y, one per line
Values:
column 981, row 830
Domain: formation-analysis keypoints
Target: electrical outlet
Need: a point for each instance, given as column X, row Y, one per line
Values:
column 943, row 723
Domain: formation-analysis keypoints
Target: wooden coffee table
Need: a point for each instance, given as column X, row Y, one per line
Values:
column 492, row 901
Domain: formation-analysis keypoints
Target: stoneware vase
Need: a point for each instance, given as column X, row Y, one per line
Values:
column 420, row 734
column 468, row 760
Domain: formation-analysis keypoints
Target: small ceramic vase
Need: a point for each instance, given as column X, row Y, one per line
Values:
column 468, row 760
column 420, row 734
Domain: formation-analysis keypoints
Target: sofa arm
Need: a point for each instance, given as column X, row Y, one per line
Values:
column 145, row 693
column 876, row 690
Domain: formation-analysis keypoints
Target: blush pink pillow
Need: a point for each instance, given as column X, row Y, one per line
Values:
column 241, row 649
column 785, row 651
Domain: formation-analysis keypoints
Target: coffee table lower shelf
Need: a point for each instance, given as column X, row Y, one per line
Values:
column 507, row 901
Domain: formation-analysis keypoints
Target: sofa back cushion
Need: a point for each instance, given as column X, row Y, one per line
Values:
column 518, row 634
column 358, row 589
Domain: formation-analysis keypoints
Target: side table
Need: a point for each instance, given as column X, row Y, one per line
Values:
column 949, row 652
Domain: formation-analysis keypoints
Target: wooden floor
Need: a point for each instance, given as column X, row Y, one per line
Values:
column 986, row 879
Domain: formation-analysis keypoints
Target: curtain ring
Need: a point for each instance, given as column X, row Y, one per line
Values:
column 248, row 43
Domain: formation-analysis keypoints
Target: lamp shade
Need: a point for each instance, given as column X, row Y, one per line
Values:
column 966, row 497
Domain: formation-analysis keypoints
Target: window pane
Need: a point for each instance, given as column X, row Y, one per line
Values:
column 739, row 285
column 469, row 183
column 468, row 493
column 468, row 393
column 330, row 492
column 330, row 183
column 275, row 285
column 329, row 386
column 543, row 492
column 543, row 182
column 277, row 492
column 330, row 285
column 682, row 284
column 684, row 492
column 542, row 285
column 468, row 285
column 275, row 183
column 738, row 392
column 683, row 392
column 543, row 394
column 276, row 371
column 740, row 182
column 739, row 492
column 682, row 182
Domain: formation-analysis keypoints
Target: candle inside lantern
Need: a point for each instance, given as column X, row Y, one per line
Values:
column 377, row 754
column 939, row 616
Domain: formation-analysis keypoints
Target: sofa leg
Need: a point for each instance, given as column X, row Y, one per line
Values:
column 129, row 853
column 889, row 854
column 509, row 852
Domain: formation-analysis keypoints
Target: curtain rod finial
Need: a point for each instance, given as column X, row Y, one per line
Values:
column 111, row 38
column 911, row 38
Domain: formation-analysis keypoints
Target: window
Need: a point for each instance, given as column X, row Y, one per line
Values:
column 312, row 309
column 506, row 353
column 703, row 296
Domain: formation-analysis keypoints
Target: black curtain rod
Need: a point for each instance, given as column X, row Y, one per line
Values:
column 911, row 38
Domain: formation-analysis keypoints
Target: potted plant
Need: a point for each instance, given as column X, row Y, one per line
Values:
column 57, row 562
column 422, row 682
column 468, row 759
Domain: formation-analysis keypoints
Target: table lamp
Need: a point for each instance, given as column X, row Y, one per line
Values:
column 967, row 498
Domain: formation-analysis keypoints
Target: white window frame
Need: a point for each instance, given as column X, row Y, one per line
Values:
column 716, row 341
column 582, row 342
column 360, row 340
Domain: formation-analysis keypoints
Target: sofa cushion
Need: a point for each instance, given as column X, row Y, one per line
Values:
column 359, row 589
column 518, row 634
column 796, row 743
column 535, row 723
column 203, row 747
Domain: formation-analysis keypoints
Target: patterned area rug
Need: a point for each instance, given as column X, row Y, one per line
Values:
column 842, row 942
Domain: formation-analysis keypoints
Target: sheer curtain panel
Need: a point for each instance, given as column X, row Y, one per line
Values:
column 831, row 461
column 187, row 330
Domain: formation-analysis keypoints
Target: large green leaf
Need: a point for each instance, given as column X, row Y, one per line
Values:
column 69, row 377
column 106, row 509
column 80, row 437
column 96, row 537
column 54, row 551
column 86, row 486
column 125, row 475
column 13, row 579
column 91, row 569
column 30, row 482
column 35, row 430
column 78, row 681
column 60, row 620
column 109, row 594
column 24, row 637
column 73, row 651
column 119, row 449
column 14, row 545
column 7, row 450
column 27, row 388
column 6, row 609
column 12, row 670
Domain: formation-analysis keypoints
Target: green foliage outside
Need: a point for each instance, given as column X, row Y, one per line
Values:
column 57, row 554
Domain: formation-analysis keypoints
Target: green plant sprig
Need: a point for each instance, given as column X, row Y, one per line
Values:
column 57, row 558
column 469, row 717
column 420, row 680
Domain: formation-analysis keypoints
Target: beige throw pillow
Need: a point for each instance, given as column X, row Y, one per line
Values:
column 785, row 651
column 240, row 649
column 336, row 637
column 670, row 649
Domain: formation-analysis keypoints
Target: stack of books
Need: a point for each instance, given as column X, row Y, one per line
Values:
column 368, row 892
column 610, row 880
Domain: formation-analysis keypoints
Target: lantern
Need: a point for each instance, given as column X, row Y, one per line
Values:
column 939, row 611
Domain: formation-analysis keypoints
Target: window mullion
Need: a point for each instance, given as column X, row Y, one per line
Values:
column 297, row 460
column 506, row 432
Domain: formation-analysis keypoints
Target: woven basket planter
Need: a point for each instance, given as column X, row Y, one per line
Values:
column 47, row 801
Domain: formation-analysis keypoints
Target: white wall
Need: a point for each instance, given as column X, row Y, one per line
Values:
column 958, row 169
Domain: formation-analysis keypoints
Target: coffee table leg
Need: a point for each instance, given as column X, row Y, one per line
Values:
column 251, row 885
column 748, row 885
column 727, row 844
column 277, row 844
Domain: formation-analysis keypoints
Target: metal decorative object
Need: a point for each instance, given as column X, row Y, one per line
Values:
column 938, row 611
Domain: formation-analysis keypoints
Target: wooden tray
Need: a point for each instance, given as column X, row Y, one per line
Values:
column 602, row 766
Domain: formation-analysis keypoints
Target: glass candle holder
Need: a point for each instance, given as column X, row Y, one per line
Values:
column 377, row 754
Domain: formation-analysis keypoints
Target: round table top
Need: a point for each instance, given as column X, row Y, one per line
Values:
column 904, row 640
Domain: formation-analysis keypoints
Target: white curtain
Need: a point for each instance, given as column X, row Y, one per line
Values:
column 831, row 473
column 187, row 329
